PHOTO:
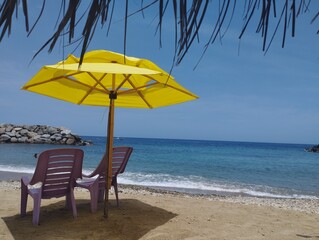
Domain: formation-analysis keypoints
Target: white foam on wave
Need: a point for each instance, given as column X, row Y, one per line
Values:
column 205, row 186
column 8, row 168
column 272, row 195
column 15, row 169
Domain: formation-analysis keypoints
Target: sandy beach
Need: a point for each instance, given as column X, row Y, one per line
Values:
column 154, row 214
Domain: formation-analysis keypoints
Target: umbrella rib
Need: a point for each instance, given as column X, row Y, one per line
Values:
column 137, row 88
column 125, row 80
column 86, row 85
column 181, row 90
column 67, row 78
column 92, row 88
column 140, row 94
column 99, row 82
column 178, row 89
column 52, row 79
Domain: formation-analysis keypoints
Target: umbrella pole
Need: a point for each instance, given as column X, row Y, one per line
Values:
column 109, row 146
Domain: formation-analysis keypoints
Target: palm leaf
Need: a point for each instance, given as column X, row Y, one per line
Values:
column 188, row 17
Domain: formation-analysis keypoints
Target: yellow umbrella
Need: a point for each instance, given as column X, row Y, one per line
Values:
column 109, row 79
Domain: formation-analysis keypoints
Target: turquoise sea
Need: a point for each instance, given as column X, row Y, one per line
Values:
column 195, row 166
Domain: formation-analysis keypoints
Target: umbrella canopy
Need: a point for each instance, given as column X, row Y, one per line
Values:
column 139, row 83
column 109, row 79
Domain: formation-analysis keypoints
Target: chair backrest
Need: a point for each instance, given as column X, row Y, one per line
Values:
column 58, row 169
column 120, row 158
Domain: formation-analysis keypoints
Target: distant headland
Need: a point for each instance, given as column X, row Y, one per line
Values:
column 313, row 149
column 39, row 134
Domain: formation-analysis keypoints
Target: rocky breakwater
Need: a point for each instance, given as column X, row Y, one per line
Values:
column 43, row 134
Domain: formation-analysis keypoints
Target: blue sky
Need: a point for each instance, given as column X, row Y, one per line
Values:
column 244, row 94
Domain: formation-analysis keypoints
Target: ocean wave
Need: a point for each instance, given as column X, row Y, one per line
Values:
column 17, row 169
column 201, row 185
column 191, row 184
column 29, row 170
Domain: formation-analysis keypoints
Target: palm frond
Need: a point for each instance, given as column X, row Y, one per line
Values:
column 188, row 17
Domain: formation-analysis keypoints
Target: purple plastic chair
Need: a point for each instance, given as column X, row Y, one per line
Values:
column 96, row 186
column 56, row 172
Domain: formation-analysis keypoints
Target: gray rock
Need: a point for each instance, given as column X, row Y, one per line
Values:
column 24, row 132
column 22, row 139
column 56, row 135
column 58, row 138
column 32, row 134
column 13, row 140
column 4, row 138
column 45, row 136
column 33, row 128
column 9, row 128
column 43, row 140
column 45, row 130
column 35, row 138
column 11, row 134
column 2, row 130
column 52, row 130
column 70, row 141
column 17, row 135
column 65, row 132
column 68, row 136
column 47, row 141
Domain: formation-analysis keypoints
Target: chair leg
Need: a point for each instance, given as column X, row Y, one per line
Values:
column 24, row 199
column 114, row 183
column 94, row 192
column 68, row 203
column 101, row 194
column 36, row 208
column 72, row 202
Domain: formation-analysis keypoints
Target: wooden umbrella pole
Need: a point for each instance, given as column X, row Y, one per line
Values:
column 109, row 146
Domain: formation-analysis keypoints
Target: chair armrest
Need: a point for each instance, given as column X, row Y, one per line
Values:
column 86, row 182
column 25, row 180
column 84, row 175
column 89, row 175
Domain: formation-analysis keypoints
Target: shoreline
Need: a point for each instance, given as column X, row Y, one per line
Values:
column 12, row 176
column 16, row 176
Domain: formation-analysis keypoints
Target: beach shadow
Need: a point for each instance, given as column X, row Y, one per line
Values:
column 132, row 220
